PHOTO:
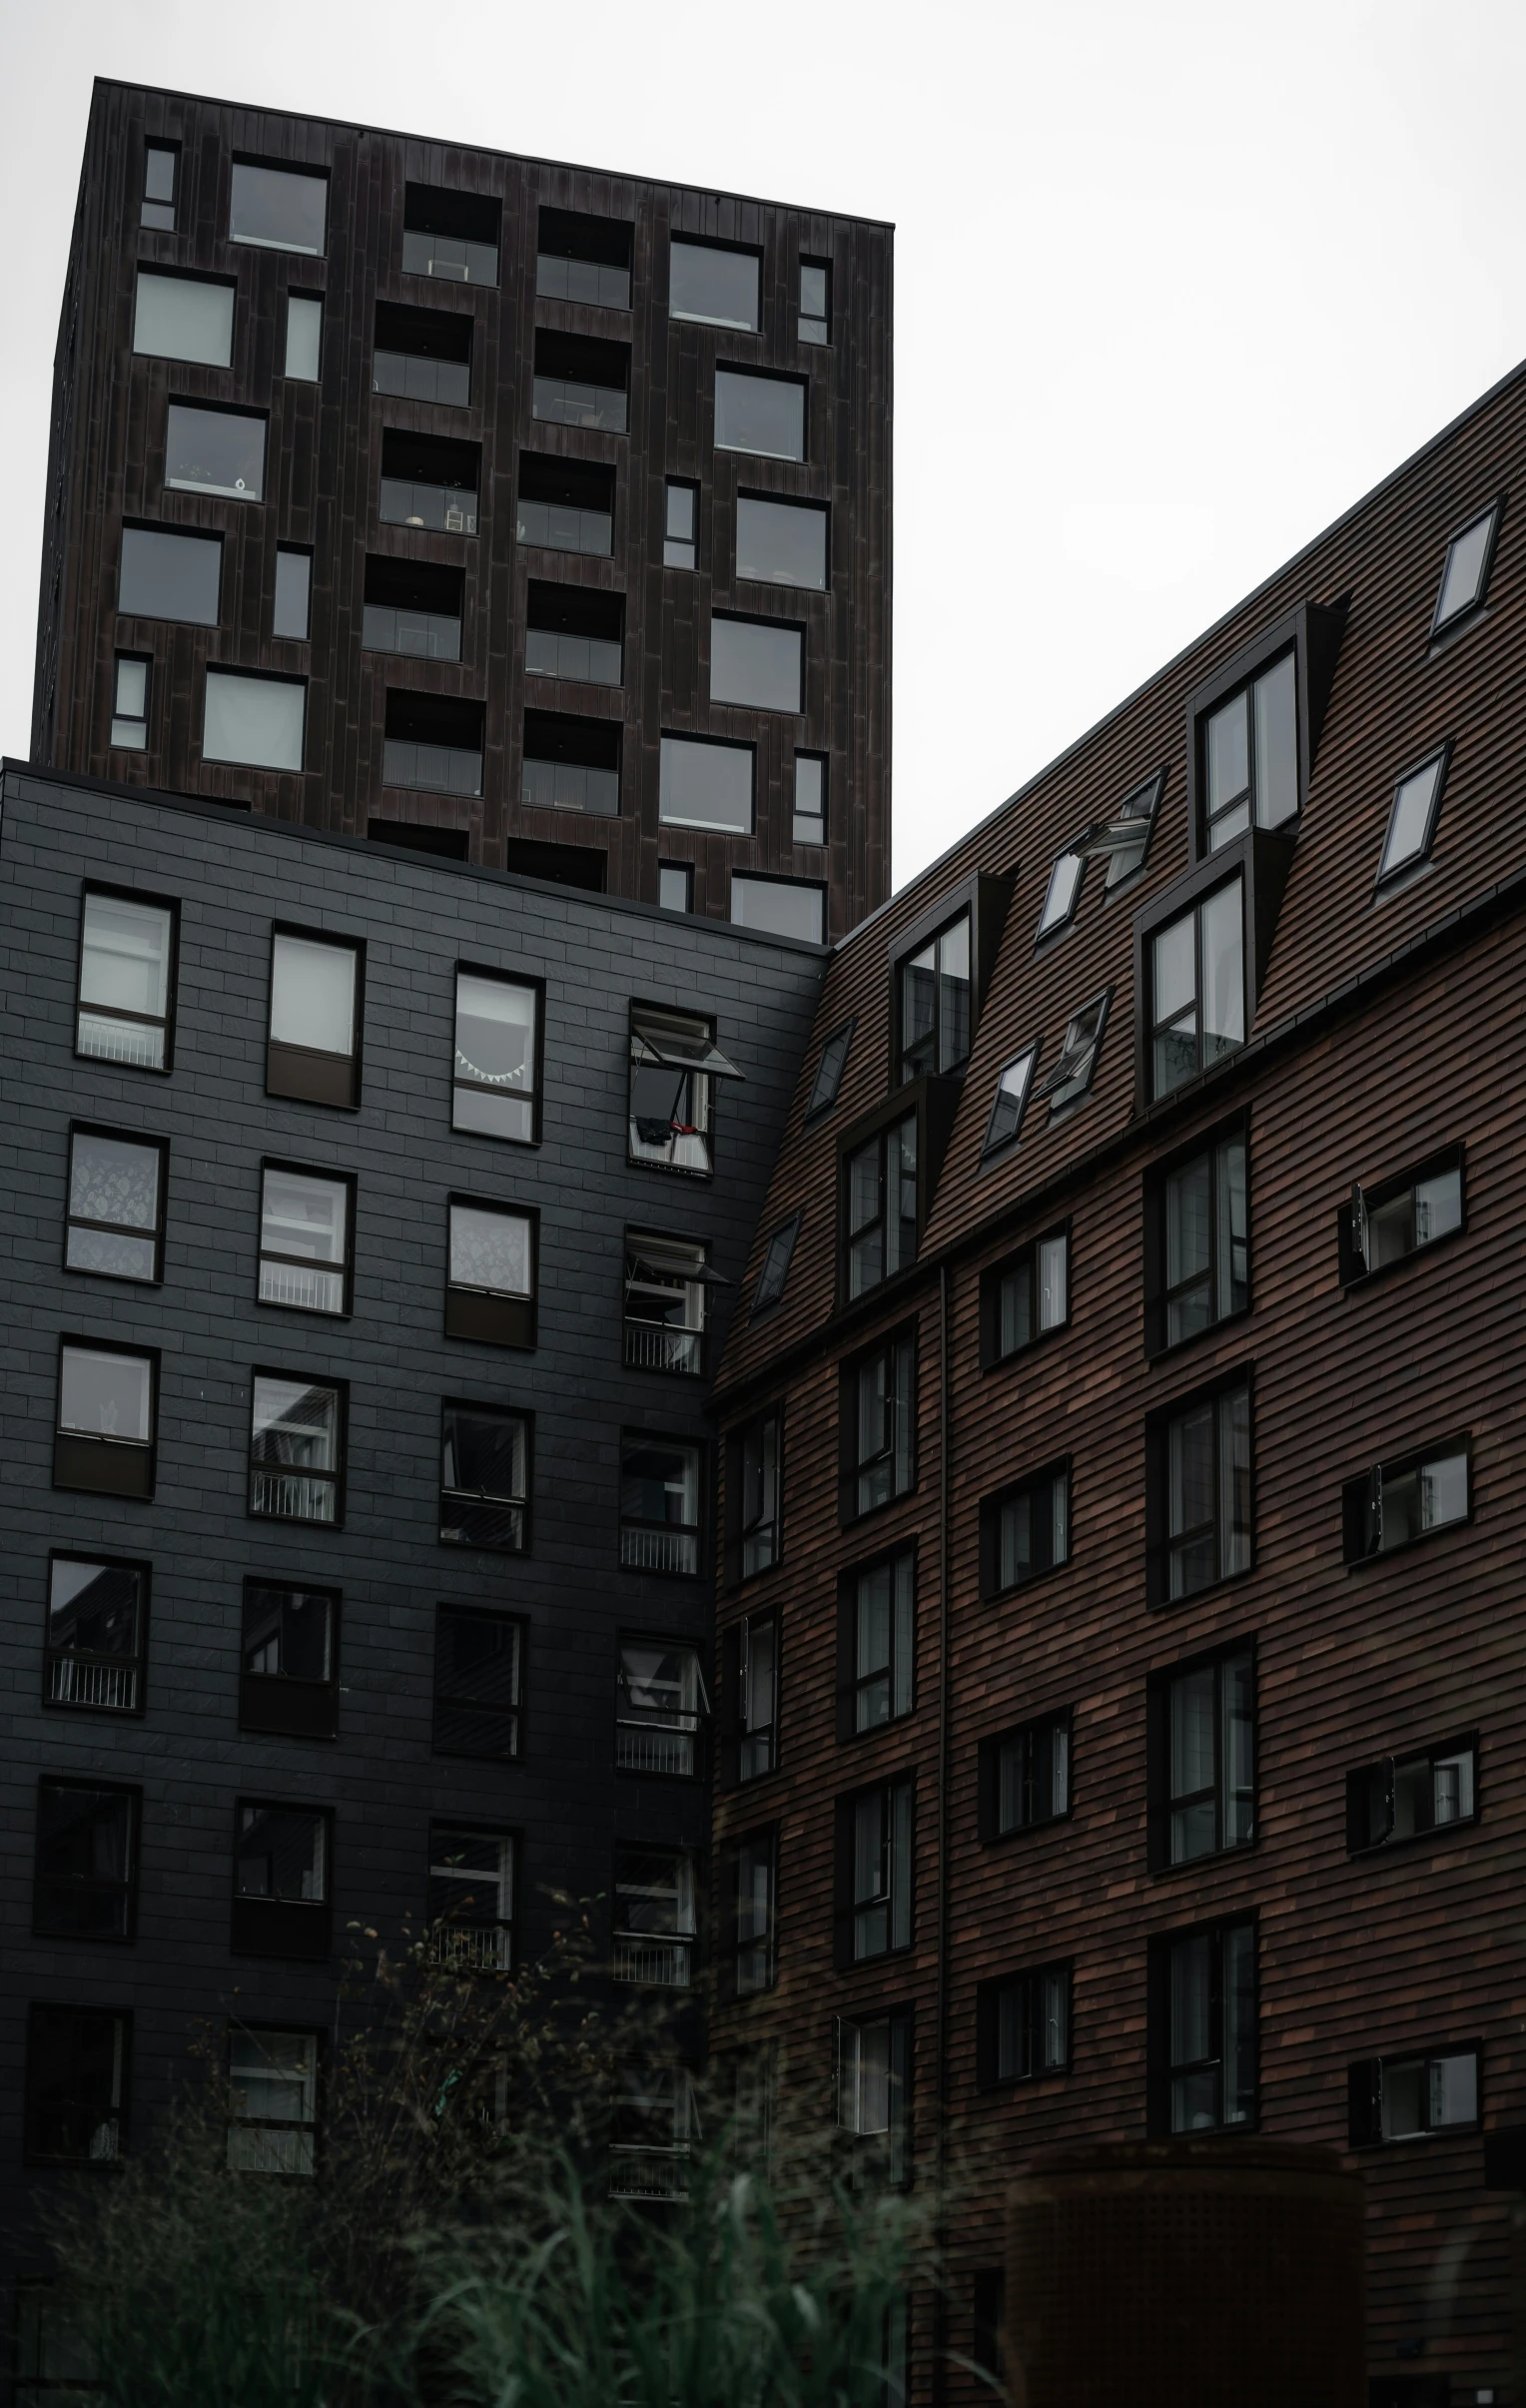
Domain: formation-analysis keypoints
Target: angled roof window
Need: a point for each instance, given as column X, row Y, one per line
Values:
column 1010, row 1101
column 829, row 1071
column 1412, row 816
column 672, row 1040
column 776, row 1266
column 1123, row 839
column 1063, row 893
column 1465, row 571
column 1070, row 1077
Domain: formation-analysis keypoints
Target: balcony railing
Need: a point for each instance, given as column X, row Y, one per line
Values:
column 651, row 1347
column 85, row 1681
column 449, row 256
column 643, row 1748
column 589, row 281
column 418, row 380
column 563, row 403
column 571, row 786
column 288, row 1496
column 431, row 768
column 416, row 634
column 655, row 1963
column 444, row 510
column 121, row 1041
column 472, row 1948
column 309, row 1290
column 648, row 2173
column 644, row 1550
column 558, row 527
column 588, row 660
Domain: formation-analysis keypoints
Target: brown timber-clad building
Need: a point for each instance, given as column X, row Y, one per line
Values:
column 1120, row 1658
column 532, row 515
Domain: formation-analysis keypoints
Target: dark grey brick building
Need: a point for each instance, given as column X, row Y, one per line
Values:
column 372, row 1227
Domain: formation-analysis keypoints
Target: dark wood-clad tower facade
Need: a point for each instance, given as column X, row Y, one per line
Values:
column 1011, row 1882
column 516, row 384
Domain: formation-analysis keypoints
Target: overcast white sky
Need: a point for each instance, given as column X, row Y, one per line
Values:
column 1175, row 280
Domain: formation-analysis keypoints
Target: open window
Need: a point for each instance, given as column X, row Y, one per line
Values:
column 97, row 1633
column 1009, row 1104
column 1402, row 2098
column 288, row 1680
column 662, row 1709
column 1062, row 895
column 1069, row 1078
column 778, row 1255
column 1122, row 840
column 1410, row 1498
column 830, row 1065
column 1401, row 1217
column 667, row 1289
column 1412, row 1796
column 484, row 1479
column 1464, row 587
column 674, row 1064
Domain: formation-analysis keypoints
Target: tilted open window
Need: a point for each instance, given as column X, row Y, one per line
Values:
column 674, row 1064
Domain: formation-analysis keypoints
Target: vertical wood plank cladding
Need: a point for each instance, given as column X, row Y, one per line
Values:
column 323, row 467
column 1403, row 1952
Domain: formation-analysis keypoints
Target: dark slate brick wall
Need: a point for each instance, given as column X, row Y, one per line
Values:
column 233, row 875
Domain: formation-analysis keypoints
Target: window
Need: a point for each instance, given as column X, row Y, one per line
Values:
column 127, row 981
column 496, row 1090
column 1026, row 1296
column 674, row 1063
column 1022, row 2026
column 182, row 318
column 76, row 2085
column 1025, row 1531
column 450, row 234
column 273, row 2102
column 1199, row 1457
column 484, row 1478
column 584, row 259
column 305, row 1220
column 107, row 1412
column 160, row 162
column 130, row 703
column 429, row 482
column 1025, row 1777
column 933, row 993
column 1465, row 572
column 713, row 287
column 810, row 826
column 281, row 1901
column 815, row 321
column 781, row 542
column 423, row 355
column 661, row 1709
column 574, row 632
column 289, row 1679
column 85, row 1878
column 314, row 1053
column 215, row 451
column 1410, row 1797
column 56, row 2365
column 433, row 743
column 756, row 663
column 1198, row 989
column 1202, row 1728
column 566, row 505
column 1009, row 1104
column 295, row 1449
column 571, row 764
column 656, row 1919
column 1203, row 2030
column 754, row 1485
column 653, row 2124
column 880, row 1199
column 490, row 1292
column 278, row 208
column 97, row 1635
column 580, row 382
column 749, row 1720
column 304, row 337
column 257, row 723
column 776, row 1266
column 1395, row 1503
column 1401, row 1216
column 1408, row 2097
column 477, row 1681
column 874, row 1872
column 1197, row 1243
column 705, row 784
column 471, row 1899
column 879, row 1414
column 294, row 589
column 1412, row 816
column 680, row 529
column 116, row 1204
column 170, row 575
column 667, row 1281
column 659, row 1504
column 1251, row 756
column 874, row 2066
column 877, row 1646
column 749, row 1883
column 830, row 1065
column 762, row 414
column 675, row 885
column 1123, row 840
column 1062, row 893
column 1070, row 1078
column 780, row 907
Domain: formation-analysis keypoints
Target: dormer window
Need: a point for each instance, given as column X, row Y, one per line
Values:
column 1465, row 572
column 1198, row 989
column 935, row 1003
column 1251, row 756
column 1063, row 894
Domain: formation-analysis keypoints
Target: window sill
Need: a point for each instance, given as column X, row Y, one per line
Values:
column 1019, row 1354
column 1417, row 1253
column 1414, row 1839
column 1210, row 1588
column 855, row 1520
column 1447, row 2131
column 1426, row 1538
column 1029, row 1831
column 1198, row 1864
column 857, row 1739
column 1003, row 2085
column 1171, row 1349
column 1020, row 1588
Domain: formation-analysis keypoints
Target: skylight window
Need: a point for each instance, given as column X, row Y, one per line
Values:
column 1123, row 840
column 829, row 1071
column 1465, row 572
column 1070, row 1077
column 1009, row 1103
column 1412, row 818
column 776, row 1266
column 1063, row 894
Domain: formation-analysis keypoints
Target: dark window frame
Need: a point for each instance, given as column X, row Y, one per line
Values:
column 636, row 1238
column 476, row 1828
column 104, row 1561
column 151, row 902
column 1364, row 2095
column 1027, row 1734
column 501, row 978
column 849, row 1681
column 283, row 1705
column 733, row 1731
column 120, row 2114
column 1361, row 1502
column 1441, row 631
column 875, row 2158
column 904, row 954
column 120, row 1137
column 805, row 316
column 119, row 717
column 700, row 1718
column 525, row 1506
column 69, row 1445
column 292, row 2029
column 308, row 1064
column 486, row 1316
column 293, row 1929
column 1045, row 937
column 513, row 1713
column 1360, row 1789
column 851, row 1148
column 993, row 1277
column 996, row 1146
column 989, row 1996
column 1032, row 1484
column 1158, row 1539
column 851, row 1465
column 339, row 1477
column 785, row 1236
column 338, row 1179
column 635, row 1435
column 1063, row 1097
column 1389, row 882
column 847, row 1905
column 131, row 1792
column 820, row 1106
column 1262, row 858
column 738, row 1530
column 713, row 1079
column 1158, row 1176
column 1127, row 814
column 171, row 147
column 1312, row 632
column 1157, row 2053
column 764, row 374
column 1160, row 1800
column 1353, row 1269
column 180, row 534
column 674, row 1851
column 729, row 1968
